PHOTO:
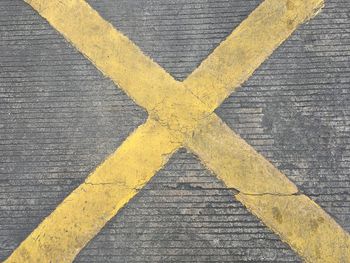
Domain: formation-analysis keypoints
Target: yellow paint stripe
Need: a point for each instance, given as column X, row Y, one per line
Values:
column 110, row 51
column 87, row 209
column 122, row 61
column 269, row 194
column 236, row 58
column 235, row 162
column 303, row 225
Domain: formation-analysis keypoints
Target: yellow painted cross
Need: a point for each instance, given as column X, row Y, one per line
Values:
column 181, row 114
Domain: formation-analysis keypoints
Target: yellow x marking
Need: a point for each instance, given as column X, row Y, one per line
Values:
column 181, row 114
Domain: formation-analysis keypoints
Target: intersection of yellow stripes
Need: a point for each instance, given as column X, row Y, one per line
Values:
column 181, row 114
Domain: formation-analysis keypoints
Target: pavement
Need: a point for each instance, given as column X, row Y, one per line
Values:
column 60, row 117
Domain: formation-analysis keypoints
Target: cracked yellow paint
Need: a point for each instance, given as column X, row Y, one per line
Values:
column 180, row 114
column 235, row 162
column 247, row 47
column 122, row 61
column 86, row 210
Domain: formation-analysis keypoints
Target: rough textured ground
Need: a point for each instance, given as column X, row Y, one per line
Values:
column 59, row 118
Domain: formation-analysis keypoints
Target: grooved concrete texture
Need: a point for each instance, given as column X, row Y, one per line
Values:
column 59, row 118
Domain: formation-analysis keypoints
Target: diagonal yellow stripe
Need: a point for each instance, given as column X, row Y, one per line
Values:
column 235, row 162
column 122, row 61
column 61, row 236
column 108, row 49
column 268, row 194
column 300, row 222
column 235, row 60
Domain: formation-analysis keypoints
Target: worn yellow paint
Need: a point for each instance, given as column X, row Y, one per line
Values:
column 303, row 225
column 108, row 49
column 268, row 194
column 87, row 209
column 247, row 47
column 122, row 61
column 180, row 114
column 235, row 162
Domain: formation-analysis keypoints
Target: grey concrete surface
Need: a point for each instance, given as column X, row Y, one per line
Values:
column 59, row 117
